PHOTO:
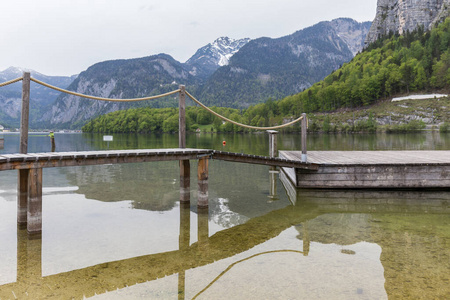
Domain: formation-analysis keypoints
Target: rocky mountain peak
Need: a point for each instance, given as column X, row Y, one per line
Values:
column 399, row 16
column 214, row 55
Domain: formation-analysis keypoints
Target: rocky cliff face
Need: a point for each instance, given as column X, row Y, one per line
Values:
column 406, row 15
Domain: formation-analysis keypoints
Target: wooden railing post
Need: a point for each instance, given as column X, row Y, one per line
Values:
column 22, row 180
column 272, row 143
column 185, row 169
column 25, row 113
column 182, row 118
column 304, row 130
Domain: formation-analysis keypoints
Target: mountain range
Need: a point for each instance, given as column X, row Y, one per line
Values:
column 227, row 72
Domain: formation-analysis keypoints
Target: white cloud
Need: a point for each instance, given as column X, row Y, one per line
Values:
column 64, row 37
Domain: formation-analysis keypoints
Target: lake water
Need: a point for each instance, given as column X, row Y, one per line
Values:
column 119, row 231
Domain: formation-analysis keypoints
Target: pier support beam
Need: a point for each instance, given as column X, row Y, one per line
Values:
column 22, row 178
column 202, row 176
column 185, row 169
column 273, row 143
column 304, row 130
column 34, row 213
column 185, row 181
column 22, row 198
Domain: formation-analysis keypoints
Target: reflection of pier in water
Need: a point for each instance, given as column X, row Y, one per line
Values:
column 119, row 274
column 307, row 215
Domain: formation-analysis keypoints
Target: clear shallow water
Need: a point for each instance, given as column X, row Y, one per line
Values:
column 120, row 228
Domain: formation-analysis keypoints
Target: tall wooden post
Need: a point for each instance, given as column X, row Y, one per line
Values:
column 22, row 180
column 202, row 176
column 25, row 113
column 182, row 118
column 185, row 169
column 304, row 128
column 273, row 143
column 185, row 181
column 34, row 213
column 22, row 198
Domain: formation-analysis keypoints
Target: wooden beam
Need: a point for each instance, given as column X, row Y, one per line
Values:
column 25, row 113
column 34, row 214
column 304, row 131
column 202, row 176
column 182, row 118
column 22, row 198
column 185, row 181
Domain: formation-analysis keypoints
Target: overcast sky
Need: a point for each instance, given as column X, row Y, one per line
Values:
column 65, row 37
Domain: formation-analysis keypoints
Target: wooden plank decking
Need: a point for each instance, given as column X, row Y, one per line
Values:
column 82, row 158
column 372, row 169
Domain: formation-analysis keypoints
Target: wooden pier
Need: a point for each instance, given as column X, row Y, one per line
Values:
column 30, row 166
column 372, row 169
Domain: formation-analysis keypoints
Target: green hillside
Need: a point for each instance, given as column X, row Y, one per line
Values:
column 417, row 62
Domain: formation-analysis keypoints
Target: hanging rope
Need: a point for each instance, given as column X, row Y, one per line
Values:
column 152, row 98
column 11, row 81
column 240, row 124
column 239, row 261
column 101, row 98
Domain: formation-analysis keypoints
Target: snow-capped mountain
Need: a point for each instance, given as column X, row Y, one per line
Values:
column 214, row 55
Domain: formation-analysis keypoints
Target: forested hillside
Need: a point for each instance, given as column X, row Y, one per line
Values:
column 415, row 62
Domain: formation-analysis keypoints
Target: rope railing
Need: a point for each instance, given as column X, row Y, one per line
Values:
column 101, row 98
column 152, row 98
column 11, row 81
column 240, row 124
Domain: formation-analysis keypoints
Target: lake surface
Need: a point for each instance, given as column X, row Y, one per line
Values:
column 119, row 231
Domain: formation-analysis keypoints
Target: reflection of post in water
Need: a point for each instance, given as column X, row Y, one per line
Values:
column 202, row 226
column 29, row 262
column 185, row 226
column 273, row 172
column 184, row 242
column 306, row 241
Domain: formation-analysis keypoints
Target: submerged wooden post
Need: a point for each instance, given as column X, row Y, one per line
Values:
column 22, row 178
column 185, row 169
column 304, row 128
column 272, row 143
column 34, row 213
column 22, row 198
column 202, row 176
column 185, row 181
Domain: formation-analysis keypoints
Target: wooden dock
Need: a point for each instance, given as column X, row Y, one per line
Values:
column 372, row 169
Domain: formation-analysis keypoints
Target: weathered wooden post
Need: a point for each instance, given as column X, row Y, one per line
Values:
column 304, row 128
column 22, row 180
column 34, row 212
column 273, row 143
column 185, row 169
column 182, row 117
column 202, row 176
